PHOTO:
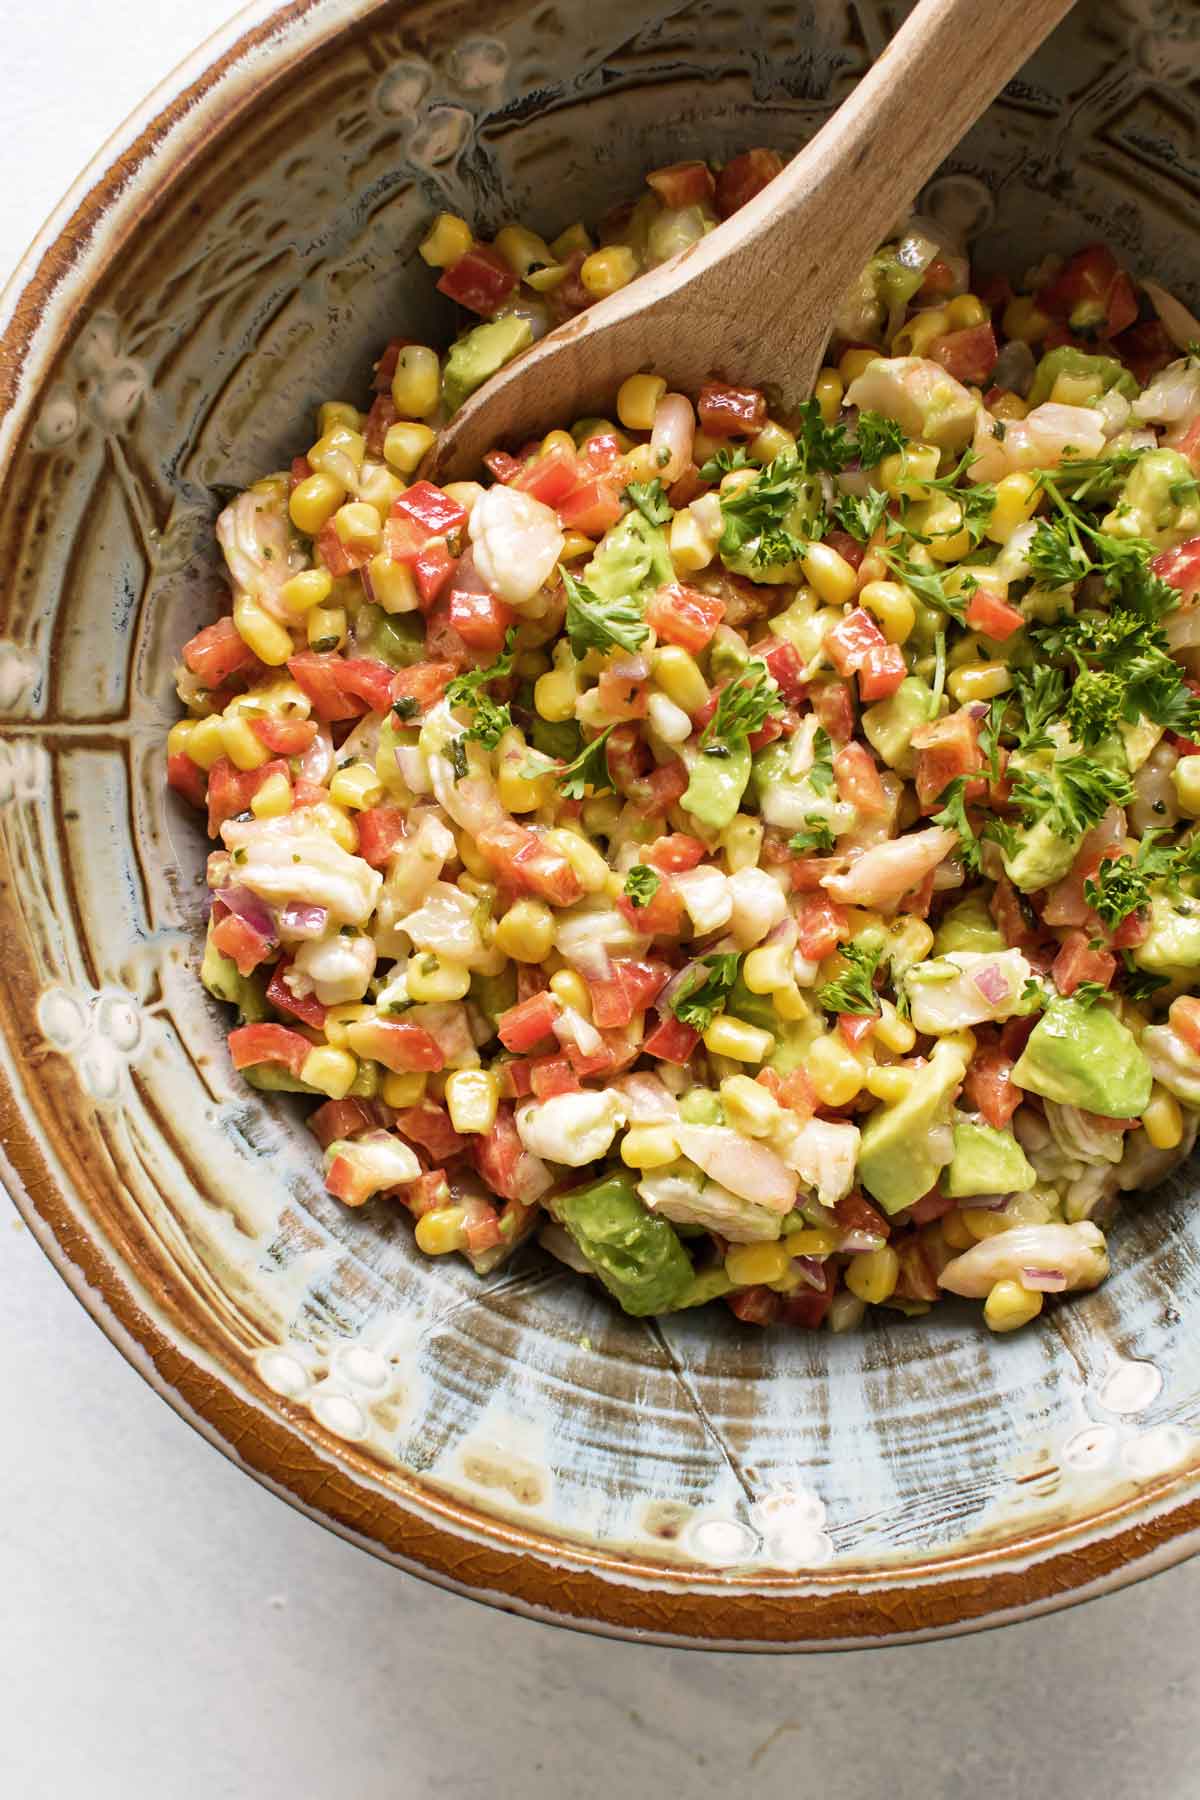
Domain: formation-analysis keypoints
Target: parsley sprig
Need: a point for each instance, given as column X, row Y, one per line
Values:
column 816, row 835
column 953, row 816
column 853, row 991
column 701, row 997
column 589, row 769
column 650, row 499
column 490, row 719
column 641, row 885
column 743, row 706
column 596, row 624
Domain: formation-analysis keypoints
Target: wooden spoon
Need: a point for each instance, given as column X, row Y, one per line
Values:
column 754, row 301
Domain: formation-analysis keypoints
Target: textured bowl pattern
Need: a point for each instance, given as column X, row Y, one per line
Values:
column 516, row 1438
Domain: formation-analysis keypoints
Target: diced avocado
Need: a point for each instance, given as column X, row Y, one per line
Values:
column 967, row 926
column 788, row 799
column 889, row 724
column 631, row 558
column 1158, row 500
column 1069, row 361
column 494, row 994
column 397, row 639
column 986, row 1161
column 700, row 1106
column 1042, row 856
column 561, row 739
column 220, row 976
column 755, row 1009
column 793, row 1040
column 727, row 655
column 479, row 353
column 1083, row 1056
column 708, row 1285
column 1139, row 740
column 1172, row 945
column 716, row 785
column 270, row 1078
column 902, row 1152
column 637, row 1256
column 742, row 558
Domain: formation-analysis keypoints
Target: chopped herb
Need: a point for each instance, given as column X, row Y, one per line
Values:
column 1038, row 697
column 861, row 517
column 821, row 448
column 1140, row 984
column 724, row 462
column 953, row 816
column 491, row 720
column 876, row 437
column 406, row 707
column 590, row 769
column 596, row 624
column 755, row 517
column 458, row 757
column 1072, row 794
column 820, row 776
column 701, row 997
column 1088, row 992
column 853, row 992
column 817, row 835
column 934, row 704
column 650, row 499
column 1094, row 706
column 930, row 584
column 641, row 885
column 743, row 706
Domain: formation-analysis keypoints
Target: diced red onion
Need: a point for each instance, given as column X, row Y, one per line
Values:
column 630, row 668
column 861, row 1241
column 1044, row 1281
column 992, row 983
column 978, row 709
column 811, row 1271
column 591, row 960
column 1181, row 326
column 299, row 920
column 786, row 933
column 252, row 910
column 674, row 987
column 988, row 1202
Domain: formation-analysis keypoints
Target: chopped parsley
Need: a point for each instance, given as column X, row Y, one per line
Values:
column 930, row 584
column 701, row 997
column 406, row 707
column 816, row 835
column 1071, row 794
column 490, row 719
column 458, row 757
column 861, row 517
column 853, row 991
column 1141, row 984
column 641, row 885
column 876, row 437
column 820, row 776
column 1095, row 705
column 821, row 448
column 758, row 518
column 1088, row 992
column 953, row 816
column 743, row 706
column 724, row 462
column 590, row 769
column 651, row 501
column 596, row 624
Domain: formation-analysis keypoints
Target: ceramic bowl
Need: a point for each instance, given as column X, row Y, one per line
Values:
column 239, row 255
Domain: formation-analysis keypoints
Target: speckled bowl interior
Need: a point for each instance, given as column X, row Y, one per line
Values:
column 241, row 255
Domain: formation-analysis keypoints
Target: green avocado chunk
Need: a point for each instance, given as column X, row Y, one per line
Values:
column 270, row 1078
column 716, row 786
column 889, row 724
column 897, row 1159
column 1068, row 361
column 1158, row 500
column 710, row 1284
column 986, row 1161
column 479, row 353
column 1083, row 1056
column 637, row 1256
column 967, row 926
column 1042, row 856
column 220, row 976
column 632, row 558
column 1172, row 944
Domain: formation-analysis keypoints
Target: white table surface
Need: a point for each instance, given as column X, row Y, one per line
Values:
column 173, row 1632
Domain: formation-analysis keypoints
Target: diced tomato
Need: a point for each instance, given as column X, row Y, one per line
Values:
column 856, row 1028
column 367, row 680
column 500, row 1156
column 847, row 547
column 994, row 617
column 481, row 280
column 432, row 570
column 319, row 674
column 528, row 1023
column 231, row 790
column 663, row 787
column 279, row 995
column 1012, row 922
column 515, row 1076
column 795, row 1090
column 1145, row 349
column 380, row 832
column 629, row 989
column 755, row 1305
column 684, row 616
column 834, row 706
column 436, row 512
column 848, row 642
column 683, row 183
column 242, row 942
column 403, row 538
column 429, row 1126
column 660, row 916
column 250, row 1045
column 620, row 697
column 989, row 1088
column 744, row 176
column 858, row 782
column 671, row 1041
column 1133, row 930
column 770, row 729
column 785, row 667
column 378, row 423
column 1184, row 1017
column 480, row 620
column 1180, row 567
column 427, row 1193
column 918, row 1279
column 400, row 1046
column 969, row 355
column 502, row 466
column 602, row 451
column 939, row 281
column 218, row 652
column 806, row 1309
column 186, row 777
column 285, row 737
column 1091, row 293
column 340, row 1119
column 882, row 670
column 1077, row 962
column 550, row 1075
column 424, row 682
column 945, row 748
column 931, row 1206
column 529, row 863
column 731, row 411
column 821, row 925
column 341, row 559
column 856, row 1214
column 549, row 476
column 591, row 507
column 674, row 853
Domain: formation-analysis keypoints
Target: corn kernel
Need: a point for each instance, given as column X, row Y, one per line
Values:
column 830, row 574
column 754, row 1265
column 955, row 1231
column 575, row 546
column 179, row 737
column 903, row 475
column 358, row 526
column 641, row 464
column 314, row 501
column 815, row 1242
column 337, row 412
column 735, row 1039
column 526, row 932
column 261, row 633
column 442, row 1231
column 402, row 1090
column 679, row 677
column 337, row 1018
column 1185, row 778
column 836, row 1074
column 964, row 311
column 691, row 548
column 737, row 481
column 790, row 1003
column 583, row 857
column 1009, row 1306
column 330, row 1071
column 853, row 362
column 472, row 1096
column 1075, row 390
column 607, row 271
column 1008, row 406
column 1162, row 1120
column 312, row 587
column 544, row 281
column 572, row 990
column 772, row 441
column 889, row 1083
column 393, row 585
column 872, row 1275
column 358, row 787
column 521, row 793
column 981, row 681
column 637, row 398
column 1017, row 498
column 339, row 454
column 893, row 1032
column 828, row 392
column 336, row 822
column 913, row 338
column 417, row 382
column 705, row 447
column 748, row 1106
column 405, row 444
column 1024, row 319
column 982, row 1223
column 434, row 980
column 326, row 627
column 649, row 1147
column 274, row 798
column 467, row 493
column 555, row 694
column 767, row 968
column 206, row 745
column 568, row 242
column 741, row 842
column 448, row 240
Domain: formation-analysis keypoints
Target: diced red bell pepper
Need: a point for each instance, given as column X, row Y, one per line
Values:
column 528, row 1023
column 242, row 942
column 427, row 1193
column 834, row 706
column 250, row 1045
column 480, row 620
column 660, row 916
column 432, row 570
column 400, row 1046
column 529, row 863
column 549, row 476
column 219, row 652
column 285, row 737
column 442, row 642
column 379, row 421
column 590, row 507
column 380, row 833
column 434, row 511
column 231, row 790
column 481, row 280
column 858, row 782
column 1077, row 962
column 602, row 451
column 307, row 1008
column 945, row 748
column 423, row 682
column 882, row 670
column 367, row 680
column 989, row 1088
column 847, row 643
column 630, row 989
column 515, row 1076
column 341, row 559
column 785, row 667
column 340, row 1119
column 994, row 617
column 1180, row 567
column 683, row 183
column 503, row 467
column 503, row 1161
column 821, row 925
column 726, row 412
column 682, row 615
column 403, row 538
column 744, row 176
column 855, row 1028
column 672, row 1041
column 319, row 674
column 187, row 778
column 551, row 1075
column 1091, row 293
column 755, row 1305
column 969, row 355
column 674, row 853
column 428, row 1125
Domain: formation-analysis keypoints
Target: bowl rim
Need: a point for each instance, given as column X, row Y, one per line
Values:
column 509, row 1566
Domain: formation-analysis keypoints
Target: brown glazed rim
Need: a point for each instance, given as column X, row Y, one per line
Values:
column 448, row 1543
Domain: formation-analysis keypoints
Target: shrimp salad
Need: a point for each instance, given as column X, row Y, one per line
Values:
column 753, row 855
